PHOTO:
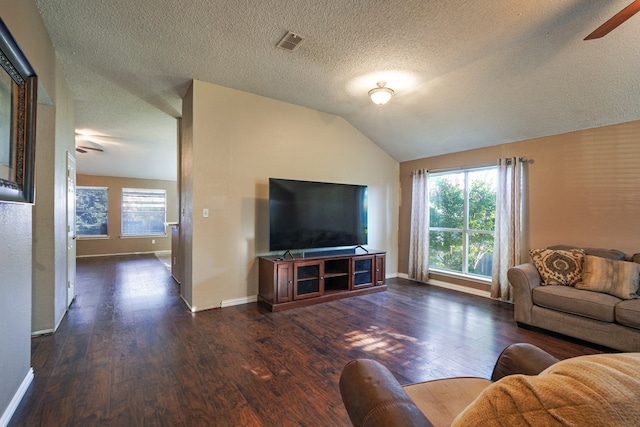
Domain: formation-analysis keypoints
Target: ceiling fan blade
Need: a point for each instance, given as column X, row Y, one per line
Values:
column 617, row 19
column 84, row 147
column 80, row 150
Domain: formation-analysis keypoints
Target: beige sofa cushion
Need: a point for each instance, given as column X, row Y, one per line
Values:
column 599, row 252
column 593, row 390
column 593, row 305
column 442, row 400
column 558, row 267
column 617, row 278
column 628, row 313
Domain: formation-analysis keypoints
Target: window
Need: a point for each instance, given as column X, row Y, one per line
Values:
column 91, row 211
column 143, row 212
column 462, row 211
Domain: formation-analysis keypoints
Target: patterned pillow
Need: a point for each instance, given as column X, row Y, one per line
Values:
column 558, row 267
column 617, row 278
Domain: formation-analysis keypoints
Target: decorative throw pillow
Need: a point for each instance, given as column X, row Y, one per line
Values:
column 558, row 267
column 617, row 278
column 601, row 252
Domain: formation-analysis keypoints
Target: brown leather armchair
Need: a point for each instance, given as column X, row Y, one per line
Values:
column 373, row 397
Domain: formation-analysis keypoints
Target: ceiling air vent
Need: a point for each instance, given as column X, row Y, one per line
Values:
column 290, row 41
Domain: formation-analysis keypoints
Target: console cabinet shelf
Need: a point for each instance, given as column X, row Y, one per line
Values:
column 290, row 283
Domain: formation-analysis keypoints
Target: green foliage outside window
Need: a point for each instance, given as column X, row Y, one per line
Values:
column 92, row 210
column 462, row 209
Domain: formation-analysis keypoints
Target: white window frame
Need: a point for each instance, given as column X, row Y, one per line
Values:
column 465, row 230
column 123, row 212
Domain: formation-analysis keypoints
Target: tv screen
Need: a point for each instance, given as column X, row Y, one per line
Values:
column 307, row 215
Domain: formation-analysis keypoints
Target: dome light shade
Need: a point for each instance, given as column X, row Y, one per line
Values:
column 381, row 94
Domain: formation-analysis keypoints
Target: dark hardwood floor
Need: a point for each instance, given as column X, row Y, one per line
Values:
column 129, row 353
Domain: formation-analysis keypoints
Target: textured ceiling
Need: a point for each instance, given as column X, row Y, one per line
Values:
column 466, row 74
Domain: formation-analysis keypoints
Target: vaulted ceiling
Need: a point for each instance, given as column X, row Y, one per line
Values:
column 466, row 74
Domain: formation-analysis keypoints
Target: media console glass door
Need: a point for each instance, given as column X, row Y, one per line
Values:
column 363, row 271
column 308, row 279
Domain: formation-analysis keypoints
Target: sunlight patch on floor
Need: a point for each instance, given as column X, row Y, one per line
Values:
column 377, row 340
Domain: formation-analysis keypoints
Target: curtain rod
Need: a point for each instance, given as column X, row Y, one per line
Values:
column 455, row 168
column 476, row 166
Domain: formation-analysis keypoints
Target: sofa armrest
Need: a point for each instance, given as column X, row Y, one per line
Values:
column 522, row 358
column 373, row 397
column 523, row 278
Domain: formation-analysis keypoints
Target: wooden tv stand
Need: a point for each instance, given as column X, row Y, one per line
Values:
column 290, row 283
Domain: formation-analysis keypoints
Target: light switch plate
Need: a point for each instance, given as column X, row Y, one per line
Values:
column 205, row 213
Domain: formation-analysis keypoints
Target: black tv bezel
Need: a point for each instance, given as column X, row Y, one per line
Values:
column 322, row 247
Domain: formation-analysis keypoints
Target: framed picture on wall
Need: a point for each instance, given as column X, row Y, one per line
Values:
column 18, row 101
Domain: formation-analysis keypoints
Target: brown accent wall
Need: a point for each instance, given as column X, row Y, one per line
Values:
column 582, row 188
column 115, row 244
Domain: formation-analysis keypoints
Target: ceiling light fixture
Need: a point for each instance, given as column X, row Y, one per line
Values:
column 381, row 94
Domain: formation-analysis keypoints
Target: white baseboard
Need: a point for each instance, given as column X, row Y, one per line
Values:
column 124, row 253
column 191, row 309
column 238, row 301
column 225, row 303
column 453, row 287
column 459, row 288
column 17, row 398
column 50, row 331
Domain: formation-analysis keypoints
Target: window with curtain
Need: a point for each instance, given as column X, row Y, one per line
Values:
column 462, row 209
column 143, row 212
column 92, row 211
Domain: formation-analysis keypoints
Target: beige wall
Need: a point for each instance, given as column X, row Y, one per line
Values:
column 582, row 188
column 186, row 177
column 19, row 231
column 56, row 138
column 232, row 144
column 116, row 244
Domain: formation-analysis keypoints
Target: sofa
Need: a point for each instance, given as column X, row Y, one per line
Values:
column 528, row 387
column 594, row 298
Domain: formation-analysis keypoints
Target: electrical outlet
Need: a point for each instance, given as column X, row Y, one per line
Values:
column 205, row 213
column 153, row 241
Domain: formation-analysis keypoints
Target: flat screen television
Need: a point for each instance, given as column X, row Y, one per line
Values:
column 308, row 215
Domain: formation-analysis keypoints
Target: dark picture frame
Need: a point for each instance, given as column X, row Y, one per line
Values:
column 18, row 102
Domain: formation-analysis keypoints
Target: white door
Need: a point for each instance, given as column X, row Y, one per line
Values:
column 71, row 228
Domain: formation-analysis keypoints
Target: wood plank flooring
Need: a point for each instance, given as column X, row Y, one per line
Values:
column 129, row 353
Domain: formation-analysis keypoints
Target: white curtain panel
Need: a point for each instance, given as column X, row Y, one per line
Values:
column 508, row 230
column 419, row 243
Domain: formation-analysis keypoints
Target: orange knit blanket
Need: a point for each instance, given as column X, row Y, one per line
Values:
column 595, row 390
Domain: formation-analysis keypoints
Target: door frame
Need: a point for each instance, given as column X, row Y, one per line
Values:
column 71, row 228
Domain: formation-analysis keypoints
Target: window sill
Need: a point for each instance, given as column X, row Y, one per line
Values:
column 467, row 277
column 143, row 236
column 100, row 237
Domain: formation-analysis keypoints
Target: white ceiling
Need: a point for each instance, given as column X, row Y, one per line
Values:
column 466, row 74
